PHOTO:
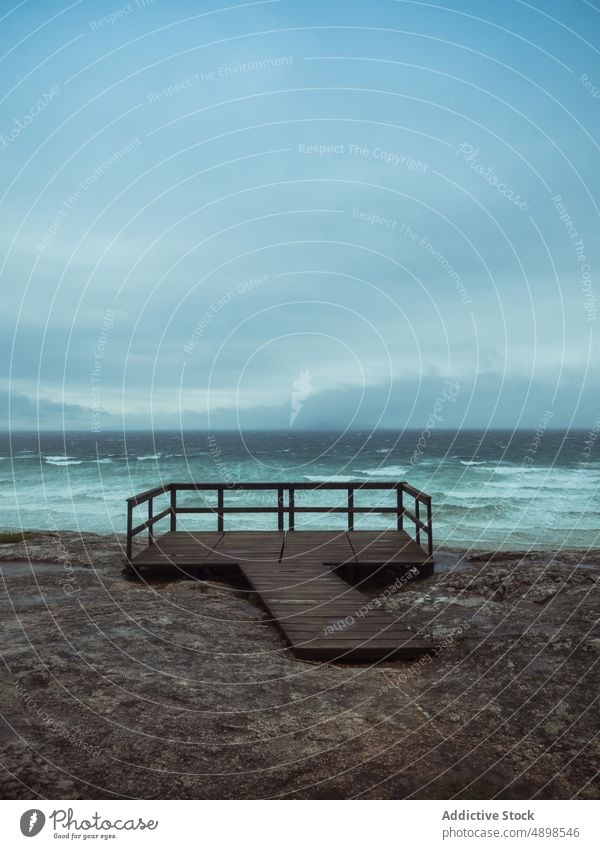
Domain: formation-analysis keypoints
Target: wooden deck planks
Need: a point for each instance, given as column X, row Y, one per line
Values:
column 242, row 546
column 386, row 547
column 318, row 547
column 178, row 548
column 291, row 549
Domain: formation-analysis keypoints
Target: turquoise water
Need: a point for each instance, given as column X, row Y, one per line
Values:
column 497, row 489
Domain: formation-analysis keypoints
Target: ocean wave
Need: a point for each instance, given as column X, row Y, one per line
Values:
column 455, row 494
column 59, row 457
column 517, row 470
column 329, row 478
column 473, row 462
column 485, row 493
column 568, row 482
column 474, row 505
column 531, row 471
column 150, row 456
column 104, row 461
column 63, row 462
column 383, row 450
column 500, row 515
column 384, row 470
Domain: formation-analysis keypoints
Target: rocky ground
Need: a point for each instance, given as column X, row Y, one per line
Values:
column 184, row 689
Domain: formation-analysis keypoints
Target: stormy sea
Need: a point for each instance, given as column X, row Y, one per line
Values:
column 489, row 489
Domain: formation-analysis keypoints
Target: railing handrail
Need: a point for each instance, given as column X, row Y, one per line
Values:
column 266, row 485
column 281, row 509
column 142, row 497
column 416, row 493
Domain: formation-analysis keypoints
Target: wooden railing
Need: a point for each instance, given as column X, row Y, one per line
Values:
column 285, row 506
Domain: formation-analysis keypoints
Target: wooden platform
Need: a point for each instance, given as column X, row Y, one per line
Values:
column 321, row 615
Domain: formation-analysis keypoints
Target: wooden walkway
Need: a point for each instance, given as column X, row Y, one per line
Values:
column 321, row 615
column 324, row 618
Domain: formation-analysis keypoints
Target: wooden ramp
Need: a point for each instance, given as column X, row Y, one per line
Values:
column 324, row 618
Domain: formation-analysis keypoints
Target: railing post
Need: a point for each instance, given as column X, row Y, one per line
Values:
column 280, row 509
column 417, row 514
column 350, row 508
column 150, row 525
column 173, row 508
column 429, row 530
column 291, row 516
column 400, row 506
column 220, row 509
column 129, row 548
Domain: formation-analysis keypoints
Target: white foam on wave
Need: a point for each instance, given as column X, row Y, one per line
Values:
column 389, row 471
column 542, row 471
column 59, row 457
column 329, row 478
column 448, row 509
column 382, row 450
column 517, row 470
column 63, row 462
column 150, row 456
column 488, row 492
column 546, row 476
column 473, row 462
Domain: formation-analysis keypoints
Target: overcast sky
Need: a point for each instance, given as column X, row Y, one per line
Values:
column 210, row 212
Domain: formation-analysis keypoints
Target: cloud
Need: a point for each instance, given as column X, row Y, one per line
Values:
column 18, row 410
column 223, row 189
column 486, row 399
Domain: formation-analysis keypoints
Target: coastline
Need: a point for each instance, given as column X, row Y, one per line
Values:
column 95, row 664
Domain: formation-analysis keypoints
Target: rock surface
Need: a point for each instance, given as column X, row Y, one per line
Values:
column 185, row 689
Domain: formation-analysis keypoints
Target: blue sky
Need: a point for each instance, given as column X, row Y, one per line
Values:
column 200, row 202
